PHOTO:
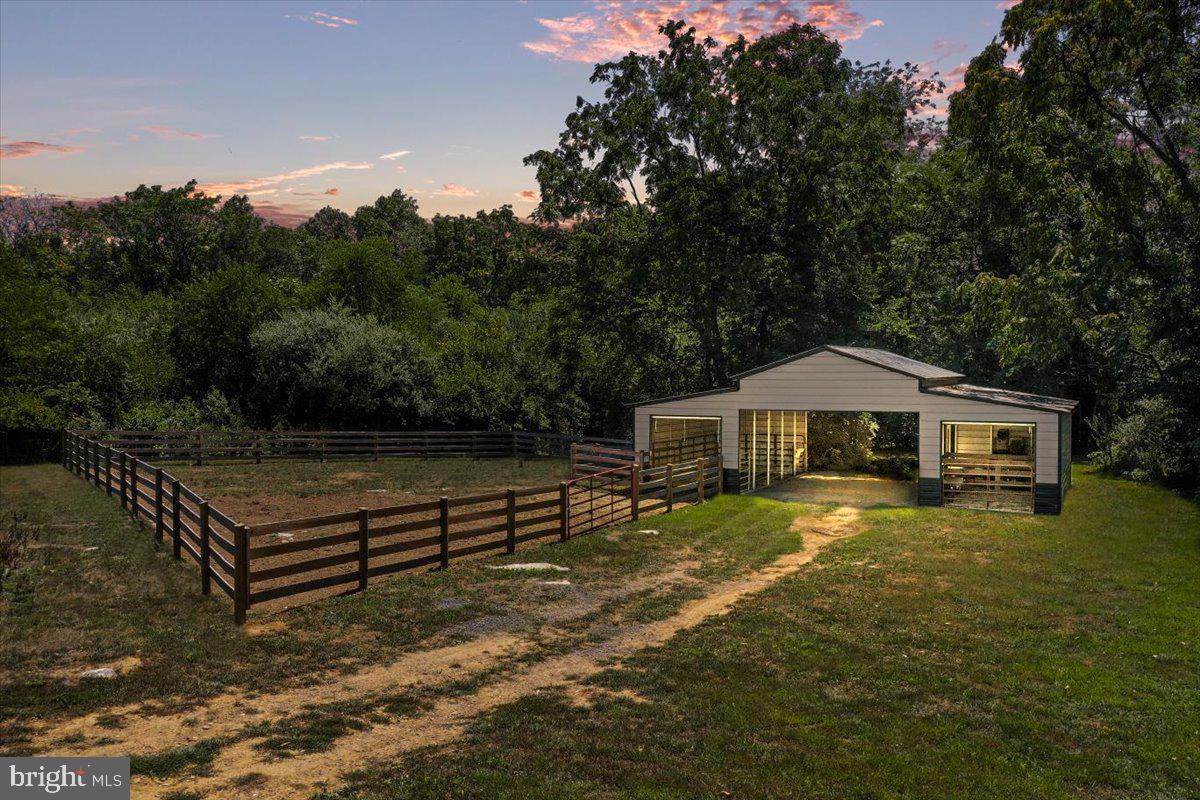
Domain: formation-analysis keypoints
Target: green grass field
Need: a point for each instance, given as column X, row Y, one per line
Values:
column 937, row 654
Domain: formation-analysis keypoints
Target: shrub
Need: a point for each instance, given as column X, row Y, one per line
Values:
column 339, row 370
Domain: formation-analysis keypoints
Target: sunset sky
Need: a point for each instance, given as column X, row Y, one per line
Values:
column 302, row 104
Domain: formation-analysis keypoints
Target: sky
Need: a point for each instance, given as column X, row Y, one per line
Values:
column 301, row 105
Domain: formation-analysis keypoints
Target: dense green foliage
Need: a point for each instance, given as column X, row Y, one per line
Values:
column 714, row 209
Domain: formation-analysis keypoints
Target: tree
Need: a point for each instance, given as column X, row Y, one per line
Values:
column 364, row 277
column 214, row 319
column 393, row 217
column 329, row 223
column 153, row 239
column 761, row 165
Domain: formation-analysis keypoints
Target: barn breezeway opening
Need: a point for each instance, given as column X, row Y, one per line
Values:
column 853, row 458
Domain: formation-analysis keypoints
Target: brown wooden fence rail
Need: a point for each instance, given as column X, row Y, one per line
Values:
column 158, row 499
column 256, row 564
column 254, row 445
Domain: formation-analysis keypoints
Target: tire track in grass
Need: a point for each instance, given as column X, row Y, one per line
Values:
column 449, row 716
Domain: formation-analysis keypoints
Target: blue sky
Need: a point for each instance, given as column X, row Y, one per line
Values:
column 96, row 97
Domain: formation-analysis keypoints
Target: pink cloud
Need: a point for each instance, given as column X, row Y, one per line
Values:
column 1005, row 5
column 527, row 196
column 271, row 183
column 11, row 190
column 323, row 19
column 455, row 190
column 613, row 29
column 176, row 135
column 314, row 138
column 331, row 192
column 395, row 155
column 955, row 81
column 25, row 149
column 288, row 215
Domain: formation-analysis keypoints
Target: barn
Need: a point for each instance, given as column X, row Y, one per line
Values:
column 978, row 446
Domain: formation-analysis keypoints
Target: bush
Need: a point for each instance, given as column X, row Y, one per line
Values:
column 1153, row 443
column 339, row 370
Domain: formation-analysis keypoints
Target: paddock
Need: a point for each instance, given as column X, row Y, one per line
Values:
column 979, row 447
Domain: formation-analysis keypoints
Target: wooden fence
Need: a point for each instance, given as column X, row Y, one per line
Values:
column 255, row 564
column 587, row 459
column 255, row 445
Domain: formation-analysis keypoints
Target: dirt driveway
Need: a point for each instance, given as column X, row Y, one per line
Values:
column 843, row 488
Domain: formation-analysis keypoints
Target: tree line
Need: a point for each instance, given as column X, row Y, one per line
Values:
column 717, row 207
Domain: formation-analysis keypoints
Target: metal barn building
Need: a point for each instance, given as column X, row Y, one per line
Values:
column 979, row 447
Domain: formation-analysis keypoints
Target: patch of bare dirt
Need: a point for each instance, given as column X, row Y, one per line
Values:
column 147, row 729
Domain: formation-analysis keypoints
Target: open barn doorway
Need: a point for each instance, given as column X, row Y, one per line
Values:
column 852, row 458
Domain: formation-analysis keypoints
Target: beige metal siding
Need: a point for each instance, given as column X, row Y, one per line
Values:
column 828, row 381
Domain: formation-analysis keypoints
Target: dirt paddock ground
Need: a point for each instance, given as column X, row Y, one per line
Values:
column 279, row 490
column 282, row 490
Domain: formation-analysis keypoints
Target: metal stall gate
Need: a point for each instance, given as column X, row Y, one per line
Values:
column 676, row 440
column 989, row 465
column 772, row 445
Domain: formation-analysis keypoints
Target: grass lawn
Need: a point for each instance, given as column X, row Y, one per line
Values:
column 937, row 654
column 70, row 608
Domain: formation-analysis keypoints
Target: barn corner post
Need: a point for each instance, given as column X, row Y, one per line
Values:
column 241, row 573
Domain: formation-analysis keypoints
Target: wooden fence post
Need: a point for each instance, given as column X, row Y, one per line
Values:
column 133, row 488
column 258, row 451
column 564, row 502
column 175, row 532
column 670, row 487
column 108, row 487
column 199, row 449
column 474, row 445
column 700, row 480
column 444, row 530
column 364, row 533
column 635, row 485
column 158, row 505
column 510, row 543
column 95, row 462
column 241, row 574
column 721, row 475
column 124, row 492
column 64, row 448
column 375, row 446
column 205, row 551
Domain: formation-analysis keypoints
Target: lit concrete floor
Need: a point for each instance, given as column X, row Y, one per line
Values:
column 849, row 489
